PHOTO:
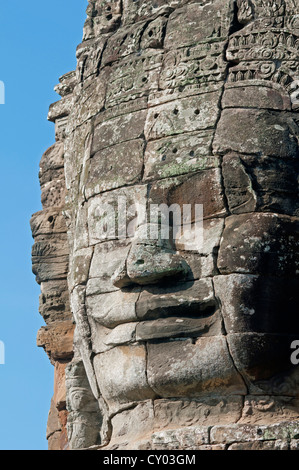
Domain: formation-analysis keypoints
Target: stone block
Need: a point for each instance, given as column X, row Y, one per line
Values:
column 126, row 381
column 257, row 132
column 177, row 368
column 260, row 243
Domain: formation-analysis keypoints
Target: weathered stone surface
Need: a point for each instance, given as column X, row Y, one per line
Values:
column 183, row 299
column 59, row 386
column 238, row 185
column 84, row 420
column 57, row 340
column 238, row 433
column 193, row 191
column 265, row 98
column 294, row 444
column 108, row 314
column 49, row 247
column 263, row 244
column 117, row 130
column 258, row 132
column 60, row 108
column 85, row 106
column 148, row 264
column 54, row 441
column 183, row 341
column 66, row 84
column 123, row 43
column 279, row 444
column 54, row 304
column 47, row 222
column 79, row 271
column 132, row 425
column 54, row 192
column 50, row 259
column 51, row 269
column 177, row 368
column 107, row 259
column 212, row 230
column 186, row 193
column 180, row 116
column 177, row 155
column 186, row 438
column 105, row 214
column 269, row 409
column 175, row 413
column 115, row 167
column 173, row 327
column 122, row 334
column 260, row 357
column 54, row 425
column 127, row 381
column 201, row 23
column 52, row 161
column 255, row 303
column 134, row 77
column 260, row 183
column 200, row 64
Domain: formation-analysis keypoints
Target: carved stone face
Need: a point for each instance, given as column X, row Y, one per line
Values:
column 188, row 107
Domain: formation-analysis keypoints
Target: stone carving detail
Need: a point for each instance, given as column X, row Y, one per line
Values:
column 267, row 48
column 50, row 258
column 157, row 346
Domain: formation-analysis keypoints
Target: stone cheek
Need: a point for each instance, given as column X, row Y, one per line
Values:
column 116, row 307
column 253, row 303
column 265, row 184
column 104, row 264
column 174, row 346
column 264, row 244
column 194, row 191
column 264, row 361
column 105, row 214
column 126, row 381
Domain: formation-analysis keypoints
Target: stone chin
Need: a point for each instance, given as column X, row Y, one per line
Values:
column 192, row 339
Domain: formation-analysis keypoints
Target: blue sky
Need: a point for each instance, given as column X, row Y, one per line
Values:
column 37, row 42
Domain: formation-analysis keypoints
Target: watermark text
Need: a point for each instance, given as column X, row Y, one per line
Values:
column 2, row 92
column 2, row 353
column 295, row 354
column 180, row 224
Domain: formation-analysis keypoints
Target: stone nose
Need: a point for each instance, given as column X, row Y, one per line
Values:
column 149, row 264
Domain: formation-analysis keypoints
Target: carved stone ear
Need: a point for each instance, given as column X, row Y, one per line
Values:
column 245, row 11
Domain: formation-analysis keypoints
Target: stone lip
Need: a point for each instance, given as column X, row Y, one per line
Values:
column 174, row 327
column 185, row 309
column 180, row 304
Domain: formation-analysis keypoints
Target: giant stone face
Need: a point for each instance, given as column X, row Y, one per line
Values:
column 185, row 103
